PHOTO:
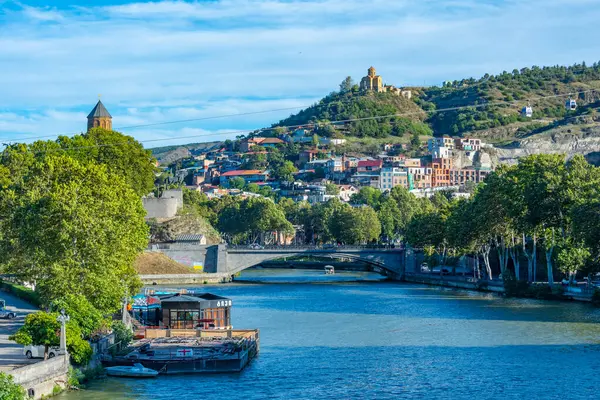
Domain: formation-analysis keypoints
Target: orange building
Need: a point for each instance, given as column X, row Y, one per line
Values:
column 440, row 174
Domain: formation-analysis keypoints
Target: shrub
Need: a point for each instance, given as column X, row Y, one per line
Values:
column 540, row 291
column 74, row 377
column 514, row 287
column 123, row 334
column 22, row 292
column 10, row 390
column 596, row 297
column 56, row 390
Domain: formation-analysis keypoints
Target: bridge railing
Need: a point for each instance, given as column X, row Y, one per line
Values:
column 312, row 247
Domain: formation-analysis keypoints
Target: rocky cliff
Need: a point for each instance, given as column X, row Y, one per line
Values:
column 570, row 140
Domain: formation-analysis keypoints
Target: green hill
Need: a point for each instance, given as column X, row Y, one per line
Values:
column 489, row 102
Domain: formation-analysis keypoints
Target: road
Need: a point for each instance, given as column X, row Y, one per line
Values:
column 11, row 354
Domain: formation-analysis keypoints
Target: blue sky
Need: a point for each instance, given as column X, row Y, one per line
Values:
column 172, row 60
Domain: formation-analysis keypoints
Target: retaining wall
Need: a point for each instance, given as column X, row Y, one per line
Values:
column 185, row 279
column 40, row 378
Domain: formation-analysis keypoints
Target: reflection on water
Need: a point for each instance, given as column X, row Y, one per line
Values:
column 273, row 275
column 386, row 341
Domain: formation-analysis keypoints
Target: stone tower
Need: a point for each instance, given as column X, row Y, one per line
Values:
column 99, row 117
column 372, row 82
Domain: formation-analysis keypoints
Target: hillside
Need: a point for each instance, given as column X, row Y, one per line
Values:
column 356, row 105
column 166, row 155
column 484, row 104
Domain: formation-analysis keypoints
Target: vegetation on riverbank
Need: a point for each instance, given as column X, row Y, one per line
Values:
column 543, row 204
column 72, row 222
column 10, row 390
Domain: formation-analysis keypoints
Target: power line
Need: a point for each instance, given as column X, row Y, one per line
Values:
column 420, row 112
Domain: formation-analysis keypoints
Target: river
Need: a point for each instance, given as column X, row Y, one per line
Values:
column 336, row 338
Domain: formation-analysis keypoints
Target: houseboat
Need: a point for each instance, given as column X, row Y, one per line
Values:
column 187, row 332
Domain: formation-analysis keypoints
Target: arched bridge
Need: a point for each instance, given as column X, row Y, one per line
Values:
column 231, row 260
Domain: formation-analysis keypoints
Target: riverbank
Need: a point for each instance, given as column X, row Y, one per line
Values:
column 469, row 283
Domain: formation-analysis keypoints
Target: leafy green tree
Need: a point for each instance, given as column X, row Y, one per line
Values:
column 332, row 189
column 255, row 161
column 317, row 225
column 354, row 225
column 367, row 195
column 237, row 182
column 572, row 258
column 390, row 217
column 408, row 205
column 415, row 141
column 315, row 140
column 81, row 311
column 253, row 216
column 252, row 188
column 122, row 154
column 266, row 191
column 285, row 171
column 43, row 329
column 39, row 329
column 346, row 85
column 9, row 390
column 73, row 228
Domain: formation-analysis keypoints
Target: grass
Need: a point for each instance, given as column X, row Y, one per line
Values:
column 151, row 263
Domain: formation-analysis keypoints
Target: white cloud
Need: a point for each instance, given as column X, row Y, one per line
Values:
column 176, row 60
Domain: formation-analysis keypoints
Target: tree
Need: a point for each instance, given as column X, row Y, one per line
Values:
column 354, row 225
column 285, row 172
column 572, row 258
column 9, row 390
column 332, row 189
column 315, row 140
column 122, row 154
column 415, row 141
column 237, row 182
column 367, row 195
column 253, row 216
column 81, row 311
column 346, row 85
column 390, row 218
column 39, row 329
column 408, row 206
column 73, row 228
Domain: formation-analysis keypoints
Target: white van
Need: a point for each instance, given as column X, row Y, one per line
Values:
column 38, row 351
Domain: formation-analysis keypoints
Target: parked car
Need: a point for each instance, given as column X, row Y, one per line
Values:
column 4, row 313
column 32, row 351
column 256, row 246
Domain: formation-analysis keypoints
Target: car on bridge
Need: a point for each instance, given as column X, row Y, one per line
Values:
column 256, row 246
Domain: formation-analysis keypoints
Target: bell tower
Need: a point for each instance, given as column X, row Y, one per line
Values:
column 99, row 117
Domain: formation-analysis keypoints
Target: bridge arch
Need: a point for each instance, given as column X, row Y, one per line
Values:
column 387, row 262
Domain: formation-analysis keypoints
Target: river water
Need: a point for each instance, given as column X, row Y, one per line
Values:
column 336, row 338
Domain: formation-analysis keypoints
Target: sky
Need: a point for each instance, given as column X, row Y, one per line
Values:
column 162, row 61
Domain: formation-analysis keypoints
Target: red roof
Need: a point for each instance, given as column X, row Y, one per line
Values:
column 370, row 163
column 271, row 141
column 241, row 172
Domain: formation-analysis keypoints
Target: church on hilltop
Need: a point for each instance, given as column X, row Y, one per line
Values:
column 99, row 117
column 374, row 83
